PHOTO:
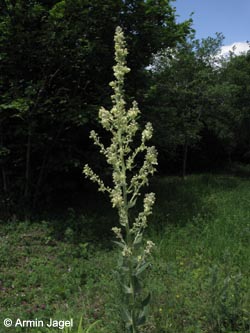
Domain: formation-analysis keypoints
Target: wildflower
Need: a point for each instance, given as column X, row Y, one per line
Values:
column 123, row 126
column 117, row 232
column 147, row 132
column 139, row 258
column 149, row 247
column 126, row 252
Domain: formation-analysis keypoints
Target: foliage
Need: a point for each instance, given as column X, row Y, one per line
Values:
column 55, row 60
column 229, row 102
column 178, row 98
column 122, row 125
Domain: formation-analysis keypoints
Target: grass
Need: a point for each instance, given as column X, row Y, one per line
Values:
column 199, row 274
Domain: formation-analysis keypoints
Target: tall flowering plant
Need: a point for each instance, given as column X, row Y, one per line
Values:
column 123, row 126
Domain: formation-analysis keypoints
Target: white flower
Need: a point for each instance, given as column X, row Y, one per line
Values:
column 147, row 132
column 126, row 252
column 117, row 232
column 149, row 247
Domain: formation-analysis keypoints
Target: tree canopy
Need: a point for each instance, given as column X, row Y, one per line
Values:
column 56, row 61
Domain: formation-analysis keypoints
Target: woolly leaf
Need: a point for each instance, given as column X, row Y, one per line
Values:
column 141, row 268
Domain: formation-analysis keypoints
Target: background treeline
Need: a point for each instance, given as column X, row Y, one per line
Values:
column 56, row 61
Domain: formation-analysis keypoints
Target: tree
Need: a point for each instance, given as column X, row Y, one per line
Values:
column 178, row 94
column 228, row 116
column 55, row 67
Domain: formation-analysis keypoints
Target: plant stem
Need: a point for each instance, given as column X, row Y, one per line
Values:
column 128, row 235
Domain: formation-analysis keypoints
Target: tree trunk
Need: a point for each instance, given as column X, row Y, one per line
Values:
column 27, row 174
column 184, row 162
column 27, row 164
column 39, row 181
column 4, row 177
column 4, row 180
column 44, row 166
column 230, row 158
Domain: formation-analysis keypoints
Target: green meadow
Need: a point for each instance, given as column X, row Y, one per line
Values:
column 199, row 274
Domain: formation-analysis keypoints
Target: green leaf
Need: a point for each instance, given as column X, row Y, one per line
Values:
column 58, row 11
column 138, row 239
column 127, row 289
column 146, row 301
column 143, row 313
column 141, row 320
column 125, row 269
column 91, row 326
column 137, row 284
column 120, row 244
column 80, row 329
column 141, row 268
column 118, row 276
column 126, row 316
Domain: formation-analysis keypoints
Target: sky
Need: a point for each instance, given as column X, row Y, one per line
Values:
column 230, row 17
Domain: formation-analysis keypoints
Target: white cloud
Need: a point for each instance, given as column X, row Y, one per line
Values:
column 238, row 48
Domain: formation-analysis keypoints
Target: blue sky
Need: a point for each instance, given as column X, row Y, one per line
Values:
column 231, row 17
